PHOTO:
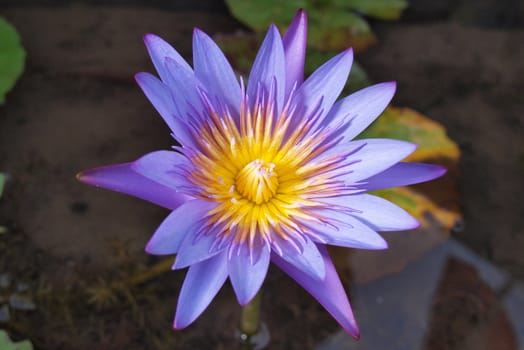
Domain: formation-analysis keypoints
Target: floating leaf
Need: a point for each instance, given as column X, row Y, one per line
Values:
column 12, row 57
column 258, row 14
column 337, row 29
column 409, row 125
column 331, row 27
column 241, row 48
column 382, row 9
column 2, row 181
column 7, row 344
column 433, row 144
column 418, row 205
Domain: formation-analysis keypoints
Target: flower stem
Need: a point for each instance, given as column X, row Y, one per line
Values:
column 250, row 319
column 250, row 324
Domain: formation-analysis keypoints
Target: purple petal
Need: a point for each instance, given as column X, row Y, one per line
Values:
column 184, row 86
column 269, row 66
column 121, row 178
column 245, row 276
column 202, row 283
column 295, row 50
column 341, row 229
column 197, row 246
column 329, row 291
column 309, row 261
column 214, row 71
column 161, row 98
column 361, row 108
column 376, row 212
column 402, row 174
column 172, row 231
column 159, row 49
column 374, row 157
column 164, row 167
column 323, row 87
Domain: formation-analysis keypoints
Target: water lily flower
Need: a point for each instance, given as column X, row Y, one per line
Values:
column 266, row 171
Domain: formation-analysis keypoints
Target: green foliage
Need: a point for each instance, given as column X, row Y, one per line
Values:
column 2, row 181
column 241, row 48
column 7, row 344
column 419, row 204
column 406, row 124
column 333, row 24
column 259, row 14
column 381, row 9
column 433, row 144
column 12, row 57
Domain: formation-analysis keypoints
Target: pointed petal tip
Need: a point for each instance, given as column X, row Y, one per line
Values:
column 243, row 301
column 178, row 326
column 86, row 176
column 300, row 19
column 410, row 146
column 149, row 37
column 148, row 248
column 347, row 55
column 440, row 171
column 140, row 76
column 80, row 176
column 355, row 333
column 198, row 32
column 350, row 326
column 391, row 85
column 384, row 246
column 273, row 28
column 274, row 32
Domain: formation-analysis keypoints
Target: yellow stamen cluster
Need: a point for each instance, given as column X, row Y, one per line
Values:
column 257, row 181
column 261, row 173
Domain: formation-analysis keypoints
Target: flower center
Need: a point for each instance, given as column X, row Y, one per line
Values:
column 257, row 181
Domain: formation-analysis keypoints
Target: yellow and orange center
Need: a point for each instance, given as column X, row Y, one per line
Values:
column 257, row 181
column 261, row 173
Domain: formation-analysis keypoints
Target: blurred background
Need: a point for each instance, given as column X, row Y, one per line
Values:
column 73, row 273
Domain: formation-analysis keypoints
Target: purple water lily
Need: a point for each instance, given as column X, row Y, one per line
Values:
column 266, row 171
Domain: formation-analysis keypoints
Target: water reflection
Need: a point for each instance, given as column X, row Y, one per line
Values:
column 446, row 298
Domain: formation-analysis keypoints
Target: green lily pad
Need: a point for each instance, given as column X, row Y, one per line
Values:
column 433, row 145
column 2, row 181
column 12, row 56
column 381, row 9
column 419, row 205
column 409, row 125
column 337, row 29
column 7, row 344
column 241, row 48
column 258, row 14
column 333, row 25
